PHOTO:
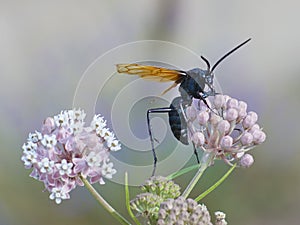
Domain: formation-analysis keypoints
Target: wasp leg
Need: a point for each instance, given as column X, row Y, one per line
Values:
column 196, row 153
column 156, row 110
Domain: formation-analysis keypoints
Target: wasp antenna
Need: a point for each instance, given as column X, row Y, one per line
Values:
column 228, row 53
column 206, row 61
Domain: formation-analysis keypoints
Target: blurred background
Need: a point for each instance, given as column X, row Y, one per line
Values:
column 46, row 47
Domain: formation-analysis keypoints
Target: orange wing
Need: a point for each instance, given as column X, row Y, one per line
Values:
column 153, row 73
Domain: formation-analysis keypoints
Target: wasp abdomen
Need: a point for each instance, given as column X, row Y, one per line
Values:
column 177, row 122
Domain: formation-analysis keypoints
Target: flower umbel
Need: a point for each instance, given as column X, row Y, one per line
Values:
column 183, row 211
column 65, row 150
column 226, row 130
column 156, row 190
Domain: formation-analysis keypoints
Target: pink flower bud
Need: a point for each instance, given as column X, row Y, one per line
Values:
column 243, row 105
column 253, row 115
column 219, row 101
column 250, row 120
column 232, row 103
column 246, row 161
column 231, row 114
column 226, row 142
column 259, row 136
column 254, row 128
column 203, row 117
column 214, row 119
column 246, row 138
column 203, row 106
column 191, row 113
column 48, row 125
column 242, row 113
column 198, row 139
column 223, row 126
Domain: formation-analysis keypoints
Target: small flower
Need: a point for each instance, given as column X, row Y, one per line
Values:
column 64, row 167
column 29, row 146
column 98, row 123
column 76, row 115
column 34, row 137
column 93, row 159
column 49, row 141
column 220, row 218
column 61, row 119
column 113, row 144
column 76, row 127
column 58, row 194
column 29, row 158
column 108, row 170
column 46, row 165
column 228, row 130
column 65, row 150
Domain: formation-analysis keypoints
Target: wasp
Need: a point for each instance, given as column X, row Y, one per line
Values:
column 195, row 83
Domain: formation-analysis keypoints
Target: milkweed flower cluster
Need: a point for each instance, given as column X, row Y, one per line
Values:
column 65, row 150
column 161, row 203
column 225, row 128
column 183, row 211
column 155, row 191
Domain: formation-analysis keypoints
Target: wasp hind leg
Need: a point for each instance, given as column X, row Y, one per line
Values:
column 149, row 111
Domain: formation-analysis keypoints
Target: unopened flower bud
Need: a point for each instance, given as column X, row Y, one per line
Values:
column 250, row 120
column 226, row 142
column 258, row 136
column 243, row 105
column 203, row 117
column 191, row 113
column 242, row 113
column 223, row 126
column 198, row 139
column 254, row 128
column 231, row 114
column 48, row 125
column 246, row 160
column 219, row 101
column 214, row 119
column 232, row 103
column 247, row 138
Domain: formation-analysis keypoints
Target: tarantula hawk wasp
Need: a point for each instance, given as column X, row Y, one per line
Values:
column 192, row 85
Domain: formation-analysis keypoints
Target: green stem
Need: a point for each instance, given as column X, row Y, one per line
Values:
column 104, row 203
column 213, row 187
column 128, row 201
column 205, row 161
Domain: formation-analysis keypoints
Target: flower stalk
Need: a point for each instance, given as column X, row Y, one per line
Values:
column 205, row 162
column 104, row 203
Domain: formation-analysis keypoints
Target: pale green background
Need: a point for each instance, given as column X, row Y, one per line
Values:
column 46, row 46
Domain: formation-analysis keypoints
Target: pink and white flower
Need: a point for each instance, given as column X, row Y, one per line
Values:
column 65, row 150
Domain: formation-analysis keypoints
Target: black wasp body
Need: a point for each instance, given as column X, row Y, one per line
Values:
column 192, row 86
column 195, row 83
